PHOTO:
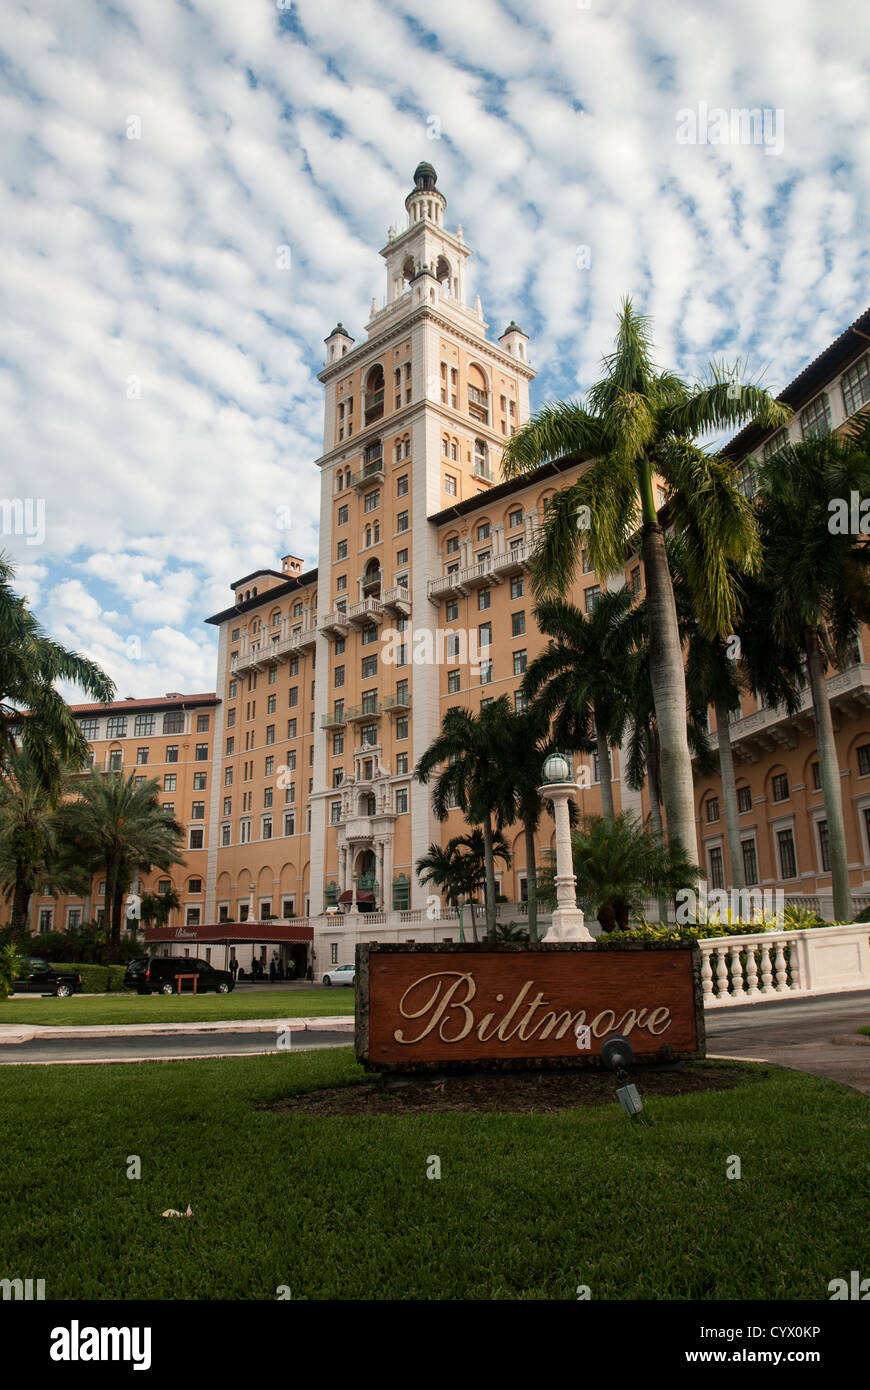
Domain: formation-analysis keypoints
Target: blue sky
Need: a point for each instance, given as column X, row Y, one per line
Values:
column 158, row 365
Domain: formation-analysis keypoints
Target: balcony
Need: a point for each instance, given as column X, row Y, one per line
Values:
column 370, row 581
column 489, row 571
column 359, row 828
column 478, row 404
column 335, row 624
column 336, row 720
column 303, row 639
column 250, row 657
column 397, row 600
column 368, row 611
column 396, row 704
column 513, row 561
column 359, row 714
column 765, row 730
column 374, row 406
column 370, row 472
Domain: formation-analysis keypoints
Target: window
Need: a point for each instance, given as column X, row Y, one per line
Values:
column 824, row 846
column 744, row 799
column 173, row 723
column 231, row 746
column 591, row 597
column 856, row 385
column 266, row 828
column 269, row 768
column 452, row 546
column 341, row 550
column 588, row 566
column 451, row 612
column 228, row 777
column 144, row 725
column 453, row 686
column 864, row 760
column 195, row 839
column 402, row 521
column 717, row 876
column 712, row 809
column 231, row 718
column 270, row 733
column 521, row 701
column 138, row 781
column 515, row 518
column 202, row 723
column 226, row 831
column 117, row 727
column 197, row 810
column 402, row 727
column 337, row 744
column 635, row 580
column 289, row 823
column 750, row 862
column 402, row 559
column 199, row 781
column 401, row 764
column 90, row 728
column 369, row 666
column 141, row 756
column 169, row 781
column 518, row 624
column 787, row 860
column 168, row 808
column 293, row 696
column 450, row 485
column 115, row 760
column 369, row 634
column 484, row 636
column 201, row 755
column 485, row 672
column 518, row 586
column 372, row 500
column 780, row 787
column 815, row 419
column 520, row 662
column 291, row 728
column 401, row 801
column 402, row 486
column 342, row 515
column 228, row 805
column 484, row 600
column 483, row 531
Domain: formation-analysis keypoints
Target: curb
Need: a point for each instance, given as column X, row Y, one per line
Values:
column 11, row 1033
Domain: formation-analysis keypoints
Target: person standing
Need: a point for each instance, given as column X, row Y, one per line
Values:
column 272, row 970
column 234, row 968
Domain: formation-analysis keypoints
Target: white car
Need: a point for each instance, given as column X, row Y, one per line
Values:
column 340, row 975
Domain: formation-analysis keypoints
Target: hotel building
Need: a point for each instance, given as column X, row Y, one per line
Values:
column 333, row 681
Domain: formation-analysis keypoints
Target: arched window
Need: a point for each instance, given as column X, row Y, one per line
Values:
column 374, row 394
column 442, row 273
column 409, row 270
column 340, row 481
column 478, row 394
column 481, row 458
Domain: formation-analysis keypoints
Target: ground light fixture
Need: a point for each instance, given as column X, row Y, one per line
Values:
column 618, row 1054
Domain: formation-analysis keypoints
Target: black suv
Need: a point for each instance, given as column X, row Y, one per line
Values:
column 148, row 974
column 38, row 977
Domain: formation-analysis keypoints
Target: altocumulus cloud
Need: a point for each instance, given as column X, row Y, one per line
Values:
column 158, row 386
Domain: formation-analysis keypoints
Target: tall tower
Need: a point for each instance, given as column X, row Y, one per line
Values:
column 414, row 421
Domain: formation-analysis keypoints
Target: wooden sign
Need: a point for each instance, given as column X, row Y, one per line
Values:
column 460, row 1006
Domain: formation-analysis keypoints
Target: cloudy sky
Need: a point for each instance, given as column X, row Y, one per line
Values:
column 196, row 191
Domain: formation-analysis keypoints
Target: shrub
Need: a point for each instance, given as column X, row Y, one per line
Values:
column 11, row 965
column 96, row 979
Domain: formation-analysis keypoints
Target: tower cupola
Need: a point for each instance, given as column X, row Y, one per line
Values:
column 425, row 200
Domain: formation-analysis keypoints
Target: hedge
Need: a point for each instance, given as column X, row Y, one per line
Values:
column 96, row 979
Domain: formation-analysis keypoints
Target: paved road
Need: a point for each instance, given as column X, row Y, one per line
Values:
column 162, row 1047
column 799, row 1033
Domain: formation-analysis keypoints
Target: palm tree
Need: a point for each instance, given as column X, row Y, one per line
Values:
column 28, row 832
column 581, row 681
column 639, row 424
column 156, row 907
column 618, row 864
column 810, row 596
column 470, row 777
column 120, row 828
column 31, row 710
column 459, row 869
column 521, row 759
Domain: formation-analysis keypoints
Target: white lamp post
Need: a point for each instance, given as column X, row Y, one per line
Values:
column 558, row 786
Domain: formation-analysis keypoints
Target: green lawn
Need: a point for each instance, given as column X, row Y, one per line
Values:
column 527, row 1207
column 158, row 1008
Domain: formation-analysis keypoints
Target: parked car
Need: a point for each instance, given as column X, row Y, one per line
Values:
column 159, row 974
column 340, row 975
column 41, row 978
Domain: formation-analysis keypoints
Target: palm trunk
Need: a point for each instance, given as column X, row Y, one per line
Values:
column 729, row 794
column 473, row 921
column 490, row 876
column 669, row 693
column 829, row 771
column 20, row 904
column 604, row 777
column 655, row 810
column 531, row 877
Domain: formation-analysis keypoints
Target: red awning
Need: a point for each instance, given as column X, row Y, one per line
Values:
column 233, row 933
column 361, row 897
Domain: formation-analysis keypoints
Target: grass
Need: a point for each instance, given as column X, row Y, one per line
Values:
column 527, row 1206
column 158, row 1008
